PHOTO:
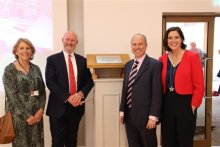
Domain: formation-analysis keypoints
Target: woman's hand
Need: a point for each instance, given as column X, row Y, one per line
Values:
column 38, row 115
column 31, row 120
column 193, row 109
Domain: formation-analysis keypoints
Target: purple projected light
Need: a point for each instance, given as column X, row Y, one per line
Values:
column 31, row 19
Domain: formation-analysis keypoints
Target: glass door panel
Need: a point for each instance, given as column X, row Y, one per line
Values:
column 215, row 86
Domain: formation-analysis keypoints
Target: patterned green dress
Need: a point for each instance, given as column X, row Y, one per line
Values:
column 18, row 87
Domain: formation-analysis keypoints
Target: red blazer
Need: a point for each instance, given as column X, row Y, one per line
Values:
column 189, row 76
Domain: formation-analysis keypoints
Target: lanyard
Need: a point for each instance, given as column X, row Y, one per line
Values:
column 31, row 77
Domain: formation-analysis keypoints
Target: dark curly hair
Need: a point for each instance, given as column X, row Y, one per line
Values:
column 165, row 44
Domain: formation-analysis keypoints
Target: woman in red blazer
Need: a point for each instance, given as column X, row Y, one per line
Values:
column 183, row 87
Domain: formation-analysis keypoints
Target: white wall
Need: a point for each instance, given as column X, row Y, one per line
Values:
column 109, row 24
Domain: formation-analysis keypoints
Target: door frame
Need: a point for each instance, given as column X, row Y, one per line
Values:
column 209, row 18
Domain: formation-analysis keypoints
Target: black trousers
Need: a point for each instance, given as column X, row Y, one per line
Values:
column 219, row 89
column 178, row 121
column 218, row 75
column 139, row 136
column 64, row 130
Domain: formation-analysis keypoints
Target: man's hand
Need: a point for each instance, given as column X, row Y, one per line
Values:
column 121, row 119
column 76, row 99
column 151, row 124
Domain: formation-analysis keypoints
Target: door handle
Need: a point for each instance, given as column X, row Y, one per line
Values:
column 207, row 97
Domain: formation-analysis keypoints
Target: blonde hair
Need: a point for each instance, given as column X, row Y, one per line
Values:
column 28, row 42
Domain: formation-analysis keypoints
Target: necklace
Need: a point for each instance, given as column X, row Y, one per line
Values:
column 23, row 67
column 172, row 76
column 171, row 70
column 175, row 60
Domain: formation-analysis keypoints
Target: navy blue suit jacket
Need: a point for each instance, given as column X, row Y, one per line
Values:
column 146, row 91
column 58, row 83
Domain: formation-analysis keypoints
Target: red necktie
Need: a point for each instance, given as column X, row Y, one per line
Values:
column 71, row 77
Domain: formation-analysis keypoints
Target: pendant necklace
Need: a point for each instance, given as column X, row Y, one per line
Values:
column 172, row 74
column 171, row 78
column 173, row 69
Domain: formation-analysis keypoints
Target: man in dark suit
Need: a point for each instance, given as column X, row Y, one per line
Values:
column 141, row 96
column 66, row 107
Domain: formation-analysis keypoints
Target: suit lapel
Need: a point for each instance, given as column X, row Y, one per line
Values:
column 143, row 67
column 63, row 67
column 128, row 71
column 78, row 66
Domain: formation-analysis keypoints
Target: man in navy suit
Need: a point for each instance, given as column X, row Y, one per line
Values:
column 65, row 109
column 141, row 100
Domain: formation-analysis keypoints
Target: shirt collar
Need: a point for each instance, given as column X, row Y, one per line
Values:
column 66, row 54
column 140, row 60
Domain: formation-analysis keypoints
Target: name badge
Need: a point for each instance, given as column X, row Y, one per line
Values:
column 35, row 93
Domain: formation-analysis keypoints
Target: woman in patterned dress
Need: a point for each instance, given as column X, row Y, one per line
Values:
column 26, row 96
